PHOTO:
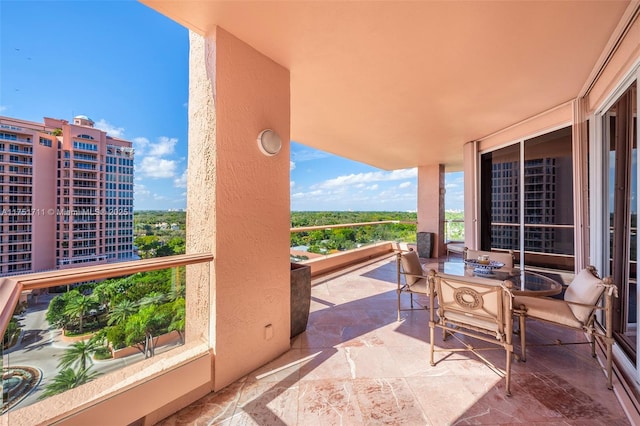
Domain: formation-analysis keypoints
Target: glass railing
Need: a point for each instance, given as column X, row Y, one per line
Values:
column 454, row 231
column 309, row 242
column 64, row 328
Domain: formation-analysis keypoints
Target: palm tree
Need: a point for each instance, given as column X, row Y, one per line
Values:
column 153, row 298
column 79, row 355
column 123, row 310
column 67, row 379
column 78, row 308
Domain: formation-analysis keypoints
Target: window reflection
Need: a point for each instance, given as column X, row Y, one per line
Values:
column 544, row 220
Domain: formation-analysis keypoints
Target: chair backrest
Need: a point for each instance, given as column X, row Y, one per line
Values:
column 411, row 267
column 586, row 288
column 503, row 257
column 482, row 303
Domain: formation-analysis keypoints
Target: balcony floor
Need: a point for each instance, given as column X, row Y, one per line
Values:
column 357, row 365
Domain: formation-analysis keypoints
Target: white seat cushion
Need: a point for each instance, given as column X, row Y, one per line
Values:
column 549, row 309
column 585, row 288
column 411, row 265
column 420, row 286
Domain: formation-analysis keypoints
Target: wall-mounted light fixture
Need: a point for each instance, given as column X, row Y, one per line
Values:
column 269, row 142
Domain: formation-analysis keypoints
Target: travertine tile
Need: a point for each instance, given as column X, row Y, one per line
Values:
column 357, row 365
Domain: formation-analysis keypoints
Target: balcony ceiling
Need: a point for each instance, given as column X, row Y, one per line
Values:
column 401, row 84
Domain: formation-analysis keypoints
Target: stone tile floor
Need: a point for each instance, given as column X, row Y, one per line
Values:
column 357, row 365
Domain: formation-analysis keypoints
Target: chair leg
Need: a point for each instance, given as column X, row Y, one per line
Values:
column 592, row 343
column 411, row 294
column 609, row 345
column 398, row 304
column 431, row 343
column 508, row 374
column 523, row 338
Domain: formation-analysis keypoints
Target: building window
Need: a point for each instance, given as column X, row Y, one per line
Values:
column 85, row 146
column 46, row 142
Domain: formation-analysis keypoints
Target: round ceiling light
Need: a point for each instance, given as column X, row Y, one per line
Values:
column 269, row 142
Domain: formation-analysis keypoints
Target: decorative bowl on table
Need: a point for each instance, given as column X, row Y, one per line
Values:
column 483, row 266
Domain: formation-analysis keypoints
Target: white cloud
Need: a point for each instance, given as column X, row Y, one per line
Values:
column 308, row 155
column 116, row 132
column 3, row 108
column 181, row 182
column 164, row 146
column 292, row 165
column 292, row 184
column 373, row 187
column 354, row 179
column 140, row 190
column 140, row 144
column 404, row 185
column 308, row 194
column 155, row 167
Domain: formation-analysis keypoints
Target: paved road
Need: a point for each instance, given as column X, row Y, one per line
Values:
column 40, row 347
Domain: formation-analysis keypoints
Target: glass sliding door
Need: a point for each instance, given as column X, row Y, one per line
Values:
column 500, row 199
column 548, row 201
column 526, row 200
column 620, row 136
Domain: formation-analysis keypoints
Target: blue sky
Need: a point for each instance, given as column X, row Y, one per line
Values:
column 126, row 67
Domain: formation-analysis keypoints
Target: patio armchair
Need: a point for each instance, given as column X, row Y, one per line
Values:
column 411, row 277
column 586, row 295
column 498, row 256
column 480, row 308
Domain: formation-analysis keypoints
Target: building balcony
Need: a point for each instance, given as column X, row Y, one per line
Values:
column 20, row 162
column 17, row 231
column 354, row 364
column 16, row 240
column 4, row 137
column 85, row 193
column 91, row 176
column 190, row 358
column 20, row 151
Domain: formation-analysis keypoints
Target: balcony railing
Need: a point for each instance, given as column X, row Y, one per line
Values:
column 333, row 257
column 12, row 287
column 454, row 230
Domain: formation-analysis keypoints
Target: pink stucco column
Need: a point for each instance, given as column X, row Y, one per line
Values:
column 237, row 205
column 431, row 205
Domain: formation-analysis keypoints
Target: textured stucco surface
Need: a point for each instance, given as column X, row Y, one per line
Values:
column 431, row 204
column 201, row 199
column 238, row 201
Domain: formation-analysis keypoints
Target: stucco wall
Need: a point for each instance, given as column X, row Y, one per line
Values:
column 238, row 199
column 43, row 237
column 431, row 205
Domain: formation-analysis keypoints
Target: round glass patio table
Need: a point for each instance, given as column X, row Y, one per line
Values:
column 525, row 283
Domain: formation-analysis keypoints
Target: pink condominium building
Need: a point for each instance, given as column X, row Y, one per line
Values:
column 66, row 195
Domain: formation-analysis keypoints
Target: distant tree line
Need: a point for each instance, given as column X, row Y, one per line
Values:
column 154, row 241
column 339, row 239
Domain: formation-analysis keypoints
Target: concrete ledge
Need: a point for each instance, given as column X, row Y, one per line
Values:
column 333, row 262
